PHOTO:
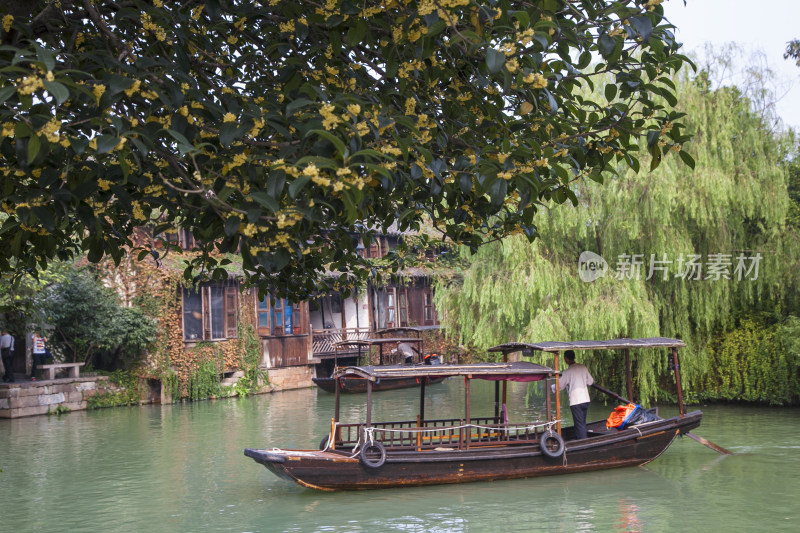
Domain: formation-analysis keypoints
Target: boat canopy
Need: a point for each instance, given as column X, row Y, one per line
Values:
column 613, row 344
column 416, row 329
column 519, row 371
column 377, row 342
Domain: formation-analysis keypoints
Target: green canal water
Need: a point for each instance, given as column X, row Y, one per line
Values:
column 181, row 468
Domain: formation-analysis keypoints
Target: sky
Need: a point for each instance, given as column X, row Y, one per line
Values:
column 765, row 25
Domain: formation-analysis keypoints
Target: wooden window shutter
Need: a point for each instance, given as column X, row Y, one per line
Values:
column 231, row 312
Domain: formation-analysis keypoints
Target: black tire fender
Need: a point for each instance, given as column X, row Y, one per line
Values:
column 544, row 441
column 371, row 462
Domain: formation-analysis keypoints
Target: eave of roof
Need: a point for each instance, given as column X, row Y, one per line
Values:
column 475, row 371
column 613, row 344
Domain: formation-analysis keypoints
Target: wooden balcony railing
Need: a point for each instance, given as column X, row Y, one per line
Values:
column 324, row 340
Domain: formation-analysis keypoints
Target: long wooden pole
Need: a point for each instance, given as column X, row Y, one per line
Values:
column 466, row 410
column 707, row 443
column 558, row 395
column 496, row 402
column 676, row 368
column 369, row 403
column 628, row 372
column 422, row 399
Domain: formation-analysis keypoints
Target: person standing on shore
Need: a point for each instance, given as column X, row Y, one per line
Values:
column 7, row 351
column 39, row 353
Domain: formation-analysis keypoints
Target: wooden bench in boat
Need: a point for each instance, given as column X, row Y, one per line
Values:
column 73, row 369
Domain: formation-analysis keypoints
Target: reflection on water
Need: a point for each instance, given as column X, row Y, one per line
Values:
column 181, row 468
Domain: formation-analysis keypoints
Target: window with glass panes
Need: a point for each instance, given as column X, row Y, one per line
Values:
column 210, row 312
column 278, row 316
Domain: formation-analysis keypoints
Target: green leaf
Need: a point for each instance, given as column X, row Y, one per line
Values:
column 33, row 148
column 296, row 185
column 495, row 60
column 266, row 200
column 46, row 56
column 610, row 91
column 606, row 45
column 6, row 92
column 689, row 160
column 45, row 216
column 228, row 132
column 337, row 142
column 294, row 105
column 106, row 143
column 356, row 33
column 643, row 25
column 232, row 225
column 58, row 90
column 655, row 153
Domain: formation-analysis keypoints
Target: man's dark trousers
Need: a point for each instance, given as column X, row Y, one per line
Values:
column 8, row 359
column 579, row 418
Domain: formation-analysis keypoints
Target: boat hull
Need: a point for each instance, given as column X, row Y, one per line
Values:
column 342, row 470
column 359, row 385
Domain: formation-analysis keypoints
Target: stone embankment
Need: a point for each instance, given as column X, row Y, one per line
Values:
column 29, row 398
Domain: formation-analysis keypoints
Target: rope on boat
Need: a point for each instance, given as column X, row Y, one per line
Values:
column 292, row 452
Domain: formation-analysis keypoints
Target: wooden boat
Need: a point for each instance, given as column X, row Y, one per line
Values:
column 434, row 451
column 358, row 384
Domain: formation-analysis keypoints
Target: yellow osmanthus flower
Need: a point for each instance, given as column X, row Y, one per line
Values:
column 391, row 150
column 229, row 117
column 248, row 229
column 29, row 84
column 561, row 153
column 287, row 27
column 8, row 20
column 50, row 130
column 411, row 104
column 240, row 23
column 257, row 125
column 8, row 129
column 543, row 162
column 354, row 109
column 506, row 175
column 362, row 128
column 104, row 184
column 512, row 65
column 133, row 89
column 197, row 10
column 184, row 110
column 152, row 27
column 536, row 80
column 238, row 160
column 330, row 120
column 232, row 39
column 312, row 172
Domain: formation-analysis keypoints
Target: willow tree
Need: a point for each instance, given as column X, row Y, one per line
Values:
column 686, row 250
column 280, row 130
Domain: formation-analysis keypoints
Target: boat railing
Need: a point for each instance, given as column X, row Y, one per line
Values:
column 443, row 434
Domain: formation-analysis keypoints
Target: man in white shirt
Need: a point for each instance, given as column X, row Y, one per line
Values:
column 576, row 379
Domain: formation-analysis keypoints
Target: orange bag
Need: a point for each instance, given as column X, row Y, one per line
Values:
column 619, row 414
